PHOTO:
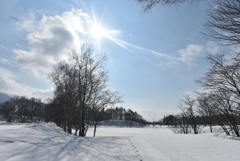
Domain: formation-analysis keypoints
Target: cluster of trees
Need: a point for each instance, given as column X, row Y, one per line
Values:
column 208, row 109
column 22, row 109
column 169, row 120
column 219, row 102
column 81, row 91
column 120, row 113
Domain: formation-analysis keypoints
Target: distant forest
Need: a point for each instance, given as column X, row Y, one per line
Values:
column 24, row 110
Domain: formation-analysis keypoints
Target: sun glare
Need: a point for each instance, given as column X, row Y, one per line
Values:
column 98, row 32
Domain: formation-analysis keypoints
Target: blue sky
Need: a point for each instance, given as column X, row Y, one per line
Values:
column 153, row 58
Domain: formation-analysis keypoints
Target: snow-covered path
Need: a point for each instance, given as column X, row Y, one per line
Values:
column 159, row 144
column 30, row 142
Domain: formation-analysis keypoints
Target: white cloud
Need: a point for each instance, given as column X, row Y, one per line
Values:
column 11, row 87
column 50, row 40
column 189, row 53
column 185, row 56
column 212, row 48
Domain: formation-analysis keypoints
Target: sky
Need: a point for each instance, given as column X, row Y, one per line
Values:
column 154, row 58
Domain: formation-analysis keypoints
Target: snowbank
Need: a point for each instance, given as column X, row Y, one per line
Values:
column 218, row 131
column 46, row 141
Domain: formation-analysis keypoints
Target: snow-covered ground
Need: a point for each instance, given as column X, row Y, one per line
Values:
column 27, row 142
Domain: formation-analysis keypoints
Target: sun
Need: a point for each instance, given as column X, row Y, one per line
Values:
column 98, row 32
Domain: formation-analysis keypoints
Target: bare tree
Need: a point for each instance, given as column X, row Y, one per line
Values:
column 21, row 105
column 90, row 75
column 206, row 109
column 223, row 22
column 186, row 120
column 223, row 83
column 223, row 76
column 81, row 87
column 226, row 113
column 188, row 106
column 147, row 5
column 100, row 102
column 181, row 125
column 64, row 78
column 8, row 110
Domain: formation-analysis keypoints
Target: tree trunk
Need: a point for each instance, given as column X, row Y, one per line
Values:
column 95, row 129
column 76, row 131
column 69, row 129
column 82, row 128
column 210, row 127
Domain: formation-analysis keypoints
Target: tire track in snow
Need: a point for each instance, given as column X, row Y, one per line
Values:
column 147, row 151
column 135, row 150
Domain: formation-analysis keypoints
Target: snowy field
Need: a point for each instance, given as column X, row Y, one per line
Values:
column 30, row 142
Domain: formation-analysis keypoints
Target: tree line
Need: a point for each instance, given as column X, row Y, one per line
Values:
column 22, row 109
column 120, row 113
column 55, row 114
column 208, row 109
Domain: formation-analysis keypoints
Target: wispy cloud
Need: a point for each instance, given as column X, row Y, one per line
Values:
column 3, row 47
column 9, row 86
column 77, row 3
column 29, row 23
column 4, row 61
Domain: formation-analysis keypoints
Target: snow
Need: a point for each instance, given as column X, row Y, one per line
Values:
column 46, row 141
column 161, row 144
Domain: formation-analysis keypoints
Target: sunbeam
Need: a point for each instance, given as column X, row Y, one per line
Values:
column 98, row 32
column 124, row 43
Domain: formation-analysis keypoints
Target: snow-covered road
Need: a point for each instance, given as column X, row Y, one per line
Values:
column 30, row 142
